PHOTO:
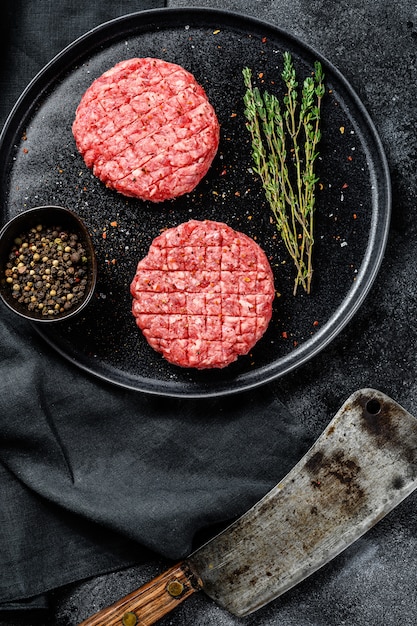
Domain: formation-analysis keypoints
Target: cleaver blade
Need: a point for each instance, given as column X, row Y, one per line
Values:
column 361, row 467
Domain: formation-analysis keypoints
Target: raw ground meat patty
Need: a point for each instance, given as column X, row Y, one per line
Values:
column 203, row 294
column 147, row 129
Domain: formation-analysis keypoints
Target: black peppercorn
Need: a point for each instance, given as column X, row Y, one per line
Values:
column 45, row 270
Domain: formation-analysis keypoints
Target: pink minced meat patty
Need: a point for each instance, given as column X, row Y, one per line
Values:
column 203, row 294
column 147, row 129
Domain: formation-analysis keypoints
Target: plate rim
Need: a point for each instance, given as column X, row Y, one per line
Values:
column 380, row 221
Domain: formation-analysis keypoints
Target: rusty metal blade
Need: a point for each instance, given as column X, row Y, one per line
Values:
column 361, row 467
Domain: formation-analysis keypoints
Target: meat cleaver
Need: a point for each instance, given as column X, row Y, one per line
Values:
column 359, row 469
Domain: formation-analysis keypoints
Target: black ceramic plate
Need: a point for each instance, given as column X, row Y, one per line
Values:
column 40, row 165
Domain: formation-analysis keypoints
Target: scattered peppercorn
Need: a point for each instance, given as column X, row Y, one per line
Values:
column 47, row 270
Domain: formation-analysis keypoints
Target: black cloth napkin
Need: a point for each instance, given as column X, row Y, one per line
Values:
column 93, row 476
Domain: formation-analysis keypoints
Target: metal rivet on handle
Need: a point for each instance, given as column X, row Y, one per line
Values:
column 175, row 588
column 129, row 619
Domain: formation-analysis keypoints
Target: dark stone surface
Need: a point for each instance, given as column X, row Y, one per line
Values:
column 373, row 44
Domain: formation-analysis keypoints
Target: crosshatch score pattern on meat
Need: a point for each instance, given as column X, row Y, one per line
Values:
column 203, row 294
column 147, row 129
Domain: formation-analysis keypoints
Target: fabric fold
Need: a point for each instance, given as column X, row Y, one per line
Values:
column 85, row 461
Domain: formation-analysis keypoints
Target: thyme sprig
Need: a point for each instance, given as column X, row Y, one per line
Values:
column 285, row 138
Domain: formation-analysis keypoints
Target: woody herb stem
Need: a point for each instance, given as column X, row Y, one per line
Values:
column 285, row 139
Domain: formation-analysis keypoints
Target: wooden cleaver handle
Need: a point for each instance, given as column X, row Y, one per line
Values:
column 151, row 602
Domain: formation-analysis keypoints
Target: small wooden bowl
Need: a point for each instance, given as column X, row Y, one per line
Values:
column 47, row 216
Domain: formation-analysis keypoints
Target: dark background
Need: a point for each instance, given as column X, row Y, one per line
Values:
column 374, row 46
